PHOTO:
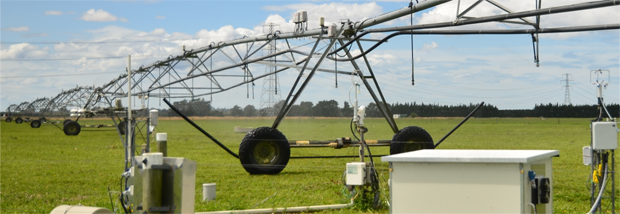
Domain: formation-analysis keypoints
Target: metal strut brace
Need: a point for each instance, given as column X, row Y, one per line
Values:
column 287, row 105
column 382, row 105
column 200, row 129
column 459, row 125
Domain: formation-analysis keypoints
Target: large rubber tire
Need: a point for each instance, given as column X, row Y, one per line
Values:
column 72, row 128
column 43, row 120
column 264, row 150
column 411, row 138
column 122, row 127
column 66, row 121
column 8, row 119
column 19, row 120
column 35, row 124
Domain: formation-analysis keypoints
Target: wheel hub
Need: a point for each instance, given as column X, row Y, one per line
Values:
column 265, row 152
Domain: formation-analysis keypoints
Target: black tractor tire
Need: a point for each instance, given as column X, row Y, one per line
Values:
column 264, row 150
column 66, row 121
column 19, row 120
column 8, row 120
column 122, row 127
column 43, row 120
column 72, row 128
column 411, row 138
column 35, row 124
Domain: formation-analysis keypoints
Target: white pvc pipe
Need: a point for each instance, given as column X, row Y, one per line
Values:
column 128, row 124
column 283, row 209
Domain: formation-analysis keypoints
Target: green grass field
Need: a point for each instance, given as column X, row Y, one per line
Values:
column 42, row 168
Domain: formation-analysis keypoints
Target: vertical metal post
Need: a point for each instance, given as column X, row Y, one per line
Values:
column 148, row 135
column 129, row 121
column 613, row 183
column 592, row 167
column 162, row 143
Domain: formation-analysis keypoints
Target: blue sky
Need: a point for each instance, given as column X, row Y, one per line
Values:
column 450, row 70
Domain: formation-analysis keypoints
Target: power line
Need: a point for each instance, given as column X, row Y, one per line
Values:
column 64, row 59
column 54, row 75
column 116, row 42
column 60, row 59
column 102, row 42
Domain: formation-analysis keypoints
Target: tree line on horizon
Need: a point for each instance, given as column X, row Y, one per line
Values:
column 330, row 108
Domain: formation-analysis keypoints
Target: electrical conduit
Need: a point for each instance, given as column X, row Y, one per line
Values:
column 598, row 199
column 284, row 209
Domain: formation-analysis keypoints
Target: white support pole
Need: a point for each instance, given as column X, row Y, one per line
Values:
column 129, row 121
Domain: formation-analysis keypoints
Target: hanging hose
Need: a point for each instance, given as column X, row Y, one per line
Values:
column 600, row 193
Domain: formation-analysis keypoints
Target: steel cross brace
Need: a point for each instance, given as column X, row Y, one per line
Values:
column 381, row 104
column 385, row 109
column 287, row 105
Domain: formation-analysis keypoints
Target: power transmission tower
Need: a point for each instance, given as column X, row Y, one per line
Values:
column 270, row 96
column 566, row 80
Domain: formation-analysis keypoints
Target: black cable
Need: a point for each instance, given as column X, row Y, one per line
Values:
column 352, row 131
column 374, row 179
column 120, row 197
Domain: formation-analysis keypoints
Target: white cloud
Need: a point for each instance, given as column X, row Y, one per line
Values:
column 333, row 12
column 158, row 31
column 160, row 17
column 123, row 19
column 23, row 50
column 29, row 81
column 382, row 59
column 100, row 15
column 17, row 29
column 430, row 47
column 53, row 12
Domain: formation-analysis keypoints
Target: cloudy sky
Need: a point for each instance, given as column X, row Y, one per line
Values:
column 48, row 46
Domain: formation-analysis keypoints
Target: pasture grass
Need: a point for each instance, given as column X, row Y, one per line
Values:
column 42, row 168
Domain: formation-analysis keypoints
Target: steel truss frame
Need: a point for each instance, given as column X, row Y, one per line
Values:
column 181, row 71
column 193, row 74
column 11, row 109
